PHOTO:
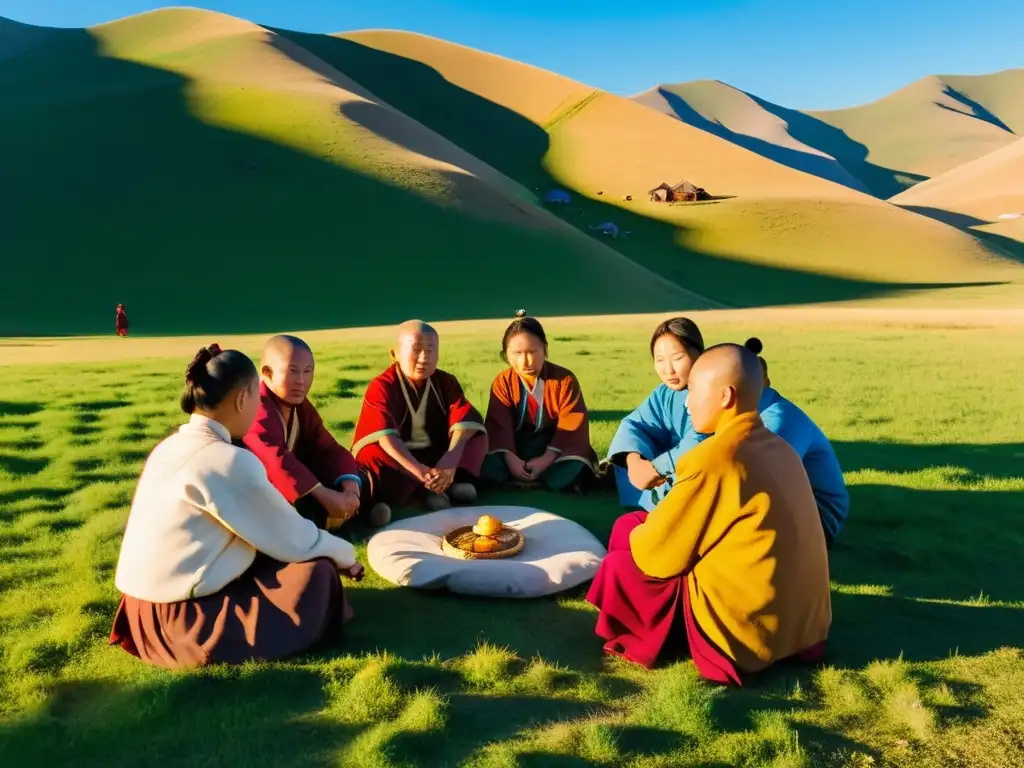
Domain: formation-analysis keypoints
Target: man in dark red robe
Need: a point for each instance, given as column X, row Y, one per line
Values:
column 121, row 322
column 417, row 434
column 303, row 460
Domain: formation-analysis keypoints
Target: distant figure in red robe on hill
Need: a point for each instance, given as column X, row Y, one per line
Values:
column 121, row 324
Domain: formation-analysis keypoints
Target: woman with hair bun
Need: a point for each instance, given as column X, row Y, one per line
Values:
column 794, row 426
column 215, row 565
column 537, row 423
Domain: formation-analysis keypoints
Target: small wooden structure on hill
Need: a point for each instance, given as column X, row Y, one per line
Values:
column 684, row 191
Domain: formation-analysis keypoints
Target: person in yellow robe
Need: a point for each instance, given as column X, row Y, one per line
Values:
column 733, row 559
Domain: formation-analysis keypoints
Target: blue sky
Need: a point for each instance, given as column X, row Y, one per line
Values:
column 808, row 54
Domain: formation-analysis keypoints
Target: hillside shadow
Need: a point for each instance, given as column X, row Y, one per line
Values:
column 517, row 147
column 959, row 220
column 1010, row 248
column 975, row 109
column 851, row 154
column 817, row 165
column 1013, row 249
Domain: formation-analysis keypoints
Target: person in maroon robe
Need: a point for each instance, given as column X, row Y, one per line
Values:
column 417, row 435
column 303, row 460
column 121, row 321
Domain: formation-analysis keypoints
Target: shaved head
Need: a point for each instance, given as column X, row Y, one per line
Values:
column 415, row 328
column 286, row 367
column 282, row 348
column 726, row 379
column 416, row 353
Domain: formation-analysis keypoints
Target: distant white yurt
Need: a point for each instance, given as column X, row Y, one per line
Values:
column 557, row 197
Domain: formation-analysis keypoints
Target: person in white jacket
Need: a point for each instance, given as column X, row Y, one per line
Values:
column 215, row 565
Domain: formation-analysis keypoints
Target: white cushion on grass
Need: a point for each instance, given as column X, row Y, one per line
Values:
column 559, row 554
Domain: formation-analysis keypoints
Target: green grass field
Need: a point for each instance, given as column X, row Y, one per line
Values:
column 925, row 667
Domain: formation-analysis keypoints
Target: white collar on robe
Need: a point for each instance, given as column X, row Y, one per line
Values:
column 204, row 422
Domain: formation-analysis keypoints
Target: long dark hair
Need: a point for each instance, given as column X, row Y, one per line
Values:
column 212, row 375
column 523, row 324
column 685, row 330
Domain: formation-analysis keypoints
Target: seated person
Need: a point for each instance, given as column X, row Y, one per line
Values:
column 418, row 437
column 815, row 451
column 645, row 448
column 215, row 566
column 537, row 424
column 303, row 460
column 733, row 559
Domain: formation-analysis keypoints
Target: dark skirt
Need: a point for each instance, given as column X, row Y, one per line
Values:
column 391, row 484
column 271, row 611
column 643, row 618
column 560, row 476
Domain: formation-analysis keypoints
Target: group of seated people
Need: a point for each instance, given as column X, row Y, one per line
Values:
column 235, row 540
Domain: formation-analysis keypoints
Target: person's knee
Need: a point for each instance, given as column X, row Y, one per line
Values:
column 625, row 524
column 618, row 560
column 324, row 571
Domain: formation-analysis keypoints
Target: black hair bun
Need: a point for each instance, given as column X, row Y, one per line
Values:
column 203, row 356
column 520, row 313
column 754, row 345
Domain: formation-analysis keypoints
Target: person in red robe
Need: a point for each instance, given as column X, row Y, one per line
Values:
column 303, row 460
column 538, row 429
column 121, row 321
column 418, row 437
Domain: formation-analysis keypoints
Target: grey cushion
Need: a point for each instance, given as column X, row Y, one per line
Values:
column 559, row 554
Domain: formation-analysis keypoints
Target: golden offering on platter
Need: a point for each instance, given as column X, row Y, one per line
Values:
column 487, row 526
column 488, row 539
column 485, row 544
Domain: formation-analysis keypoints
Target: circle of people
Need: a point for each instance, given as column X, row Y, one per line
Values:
column 239, row 525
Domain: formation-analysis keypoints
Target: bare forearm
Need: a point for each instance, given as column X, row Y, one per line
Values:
column 458, row 442
column 320, row 493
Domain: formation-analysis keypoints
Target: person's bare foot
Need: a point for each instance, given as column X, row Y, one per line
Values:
column 379, row 515
column 435, row 502
column 462, row 493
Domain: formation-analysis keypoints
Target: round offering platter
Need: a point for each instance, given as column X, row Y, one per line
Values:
column 487, row 540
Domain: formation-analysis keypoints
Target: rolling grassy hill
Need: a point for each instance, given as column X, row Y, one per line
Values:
column 977, row 194
column 739, row 117
column 886, row 146
column 783, row 236
column 212, row 173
